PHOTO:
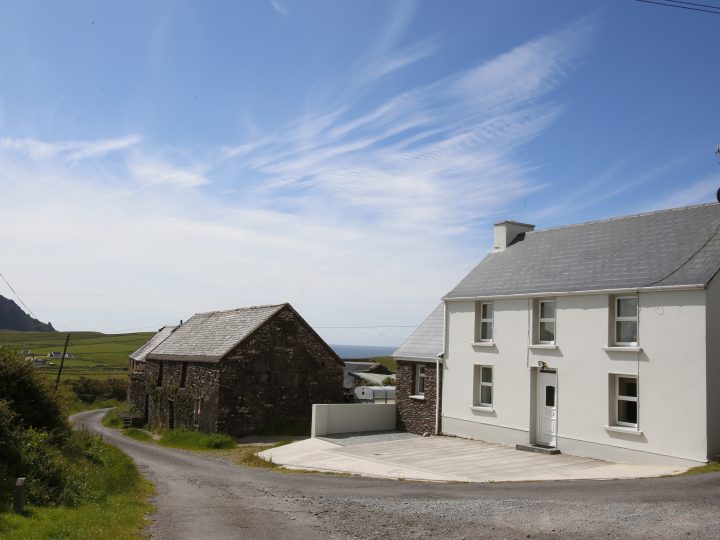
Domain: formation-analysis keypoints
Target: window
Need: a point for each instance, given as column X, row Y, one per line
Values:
column 546, row 322
column 420, row 380
column 483, row 386
column 626, row 401
column 183, row 375
column 160, row 374
column 626, row 320
column 483, row 321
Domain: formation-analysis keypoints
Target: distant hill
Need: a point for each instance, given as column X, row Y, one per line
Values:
column 14, row 318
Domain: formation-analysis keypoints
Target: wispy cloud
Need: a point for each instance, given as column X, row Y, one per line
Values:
column 698, row 192
column 153, row 170
column 330, row 211
column 282, row 10
column 434, row 157
column 68, row 150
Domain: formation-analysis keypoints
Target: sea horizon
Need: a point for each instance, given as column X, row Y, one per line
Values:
column 362, row 351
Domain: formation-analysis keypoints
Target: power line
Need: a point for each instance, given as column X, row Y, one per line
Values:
column 378, row 326
column 18, row 296
column 684, row 5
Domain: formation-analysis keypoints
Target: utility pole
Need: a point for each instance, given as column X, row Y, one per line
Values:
column 62, row 361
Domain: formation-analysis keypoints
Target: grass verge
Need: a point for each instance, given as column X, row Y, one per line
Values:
column 195, row 440
column 138, row 434
column 713, row 466
column 112, row 417
column 246, row 454
column 114, row 504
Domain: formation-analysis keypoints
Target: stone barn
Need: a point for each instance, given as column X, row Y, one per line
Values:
column 239, row 372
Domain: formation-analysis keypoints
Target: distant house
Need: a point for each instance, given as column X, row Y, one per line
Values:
column 600, row 339
column 237, row 372
column 352, row 377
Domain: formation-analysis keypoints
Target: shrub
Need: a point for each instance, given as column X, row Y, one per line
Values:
column 88, row 390
column 50, row 479
column 29, row 394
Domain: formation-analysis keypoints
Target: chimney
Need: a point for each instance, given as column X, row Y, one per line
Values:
column 507, row 231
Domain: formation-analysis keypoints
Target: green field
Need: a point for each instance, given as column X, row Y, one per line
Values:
column 93, row 354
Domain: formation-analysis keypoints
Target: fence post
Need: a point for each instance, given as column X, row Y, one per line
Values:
column 19, row 496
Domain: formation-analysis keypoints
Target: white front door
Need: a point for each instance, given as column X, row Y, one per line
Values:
column 547, row 408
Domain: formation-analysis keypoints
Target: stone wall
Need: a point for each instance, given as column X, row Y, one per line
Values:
column 194, row 404
column 271, row 378
column 276, row 375
column 415, row 415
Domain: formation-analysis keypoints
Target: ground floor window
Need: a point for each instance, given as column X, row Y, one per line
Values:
column 420, row 380
column 626, row 400
column 483, row 391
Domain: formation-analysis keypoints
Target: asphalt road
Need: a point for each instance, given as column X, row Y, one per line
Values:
column 206, row 498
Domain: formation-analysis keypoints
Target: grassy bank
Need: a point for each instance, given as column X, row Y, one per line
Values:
column 110, row 498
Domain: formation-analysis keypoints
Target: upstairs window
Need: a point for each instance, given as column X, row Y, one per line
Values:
column 420, row 380
column 626, row 320
column 160, row 374
column 483, row 321
column 546, row 322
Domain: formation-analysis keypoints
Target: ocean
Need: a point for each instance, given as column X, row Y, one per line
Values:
column 361, row 351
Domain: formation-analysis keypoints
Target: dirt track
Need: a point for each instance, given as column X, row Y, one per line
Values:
column 201, row 497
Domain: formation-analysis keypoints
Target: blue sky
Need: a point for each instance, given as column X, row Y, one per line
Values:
column 163, row 158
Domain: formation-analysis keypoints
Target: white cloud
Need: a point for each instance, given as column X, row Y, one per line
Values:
column 355, row 216
column 152, row 170
column 68, row 150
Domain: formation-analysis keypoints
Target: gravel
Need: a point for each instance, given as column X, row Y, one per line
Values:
column 205, row 497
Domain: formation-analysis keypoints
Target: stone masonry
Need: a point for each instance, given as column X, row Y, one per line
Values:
column 272, row 377
column 413, row 414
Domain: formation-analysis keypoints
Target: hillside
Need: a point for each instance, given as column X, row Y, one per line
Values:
column 14, row 318
column 87, row 350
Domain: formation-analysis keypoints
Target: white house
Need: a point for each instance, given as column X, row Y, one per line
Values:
column 600, row 339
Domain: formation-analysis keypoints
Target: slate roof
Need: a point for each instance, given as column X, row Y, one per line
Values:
column 157, row 339
column 207, row 337
column 680, row 246
column 426, row 341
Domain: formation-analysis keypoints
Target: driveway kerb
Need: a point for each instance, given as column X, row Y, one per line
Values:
column 450, row 459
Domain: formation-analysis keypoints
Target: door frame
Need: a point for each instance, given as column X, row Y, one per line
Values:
column 540, row 407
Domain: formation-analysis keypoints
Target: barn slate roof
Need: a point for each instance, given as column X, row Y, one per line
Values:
column 157, row 339
column 673, row 247
column 207, row 337
column 426, row 341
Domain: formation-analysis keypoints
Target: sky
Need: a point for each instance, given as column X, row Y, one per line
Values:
column 350, row 157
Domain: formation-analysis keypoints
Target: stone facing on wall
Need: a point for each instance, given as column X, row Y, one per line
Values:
column 415, row 415
column 275, row 375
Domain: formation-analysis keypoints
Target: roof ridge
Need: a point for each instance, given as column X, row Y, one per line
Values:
column 241, row 309
column 620, row 218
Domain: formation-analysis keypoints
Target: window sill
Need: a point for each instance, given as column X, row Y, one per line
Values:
column 622, row 348
column 483, row 344
column 418, row 397
column 623, row 429
column 543, row 346
column 477, row 408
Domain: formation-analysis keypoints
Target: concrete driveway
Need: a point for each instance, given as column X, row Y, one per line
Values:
column 448, row 459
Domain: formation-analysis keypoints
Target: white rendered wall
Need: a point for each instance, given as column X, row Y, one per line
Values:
column 671, row 369
column 713, row 367
column 351, row 418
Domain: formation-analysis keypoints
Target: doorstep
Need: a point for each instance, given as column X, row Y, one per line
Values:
column 547, row 450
